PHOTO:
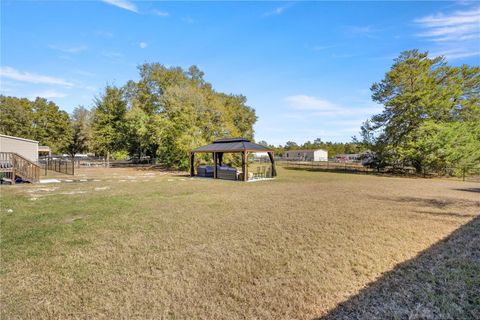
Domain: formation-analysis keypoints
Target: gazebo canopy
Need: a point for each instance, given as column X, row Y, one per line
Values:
column 232, row 145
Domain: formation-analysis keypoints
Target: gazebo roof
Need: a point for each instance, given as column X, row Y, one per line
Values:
column 232, row 145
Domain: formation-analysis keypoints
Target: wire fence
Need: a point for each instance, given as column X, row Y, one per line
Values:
column 66, row 166
column 460, row 173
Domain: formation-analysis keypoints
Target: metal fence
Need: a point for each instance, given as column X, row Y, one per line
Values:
column 102, row 162
column 66, row 166
column 461, row 173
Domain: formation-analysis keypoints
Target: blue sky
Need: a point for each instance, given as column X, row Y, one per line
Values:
column 306, row 67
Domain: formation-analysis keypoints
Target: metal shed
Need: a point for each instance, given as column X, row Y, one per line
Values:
column 232, row 145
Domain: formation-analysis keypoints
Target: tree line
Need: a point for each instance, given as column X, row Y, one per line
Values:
column 430, row 120
column 39, row 120
column 333, row 148
column 165, row 114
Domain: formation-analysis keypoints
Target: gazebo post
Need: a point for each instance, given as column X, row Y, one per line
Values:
column 271, row 155
column 192, row 168
column 244, row 165
column 214, row 165
column 220, row 159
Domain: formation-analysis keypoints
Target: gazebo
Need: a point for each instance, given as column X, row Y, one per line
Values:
column 232, row 145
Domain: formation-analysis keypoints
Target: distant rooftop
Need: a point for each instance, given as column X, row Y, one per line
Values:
column 17, row 138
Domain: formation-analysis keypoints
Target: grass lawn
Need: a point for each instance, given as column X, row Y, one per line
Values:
column 141, row 244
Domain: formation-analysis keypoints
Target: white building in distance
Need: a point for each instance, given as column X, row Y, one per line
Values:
column 306, row 155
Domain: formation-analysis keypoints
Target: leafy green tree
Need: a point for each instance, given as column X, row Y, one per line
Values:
column 16, row 117
column 51, row 126
column 80, row 131
column 291, row 145
column 451, row 144
column 317, row 142
column 171, row 111
column 186, row 122
column 140, row 137
column 108, row 122
column 421, row 95
column 39, row 120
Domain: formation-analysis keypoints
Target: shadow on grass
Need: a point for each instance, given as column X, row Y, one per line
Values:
column 432, row 202
column 351, row 171
column 442, row 282
column 445, row 214
column 469, row 189
column 387, row 173
column 358, row 171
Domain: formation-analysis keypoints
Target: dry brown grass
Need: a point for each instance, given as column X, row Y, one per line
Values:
column 141, row 244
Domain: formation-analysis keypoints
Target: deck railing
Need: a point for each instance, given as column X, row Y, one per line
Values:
column 17, row 165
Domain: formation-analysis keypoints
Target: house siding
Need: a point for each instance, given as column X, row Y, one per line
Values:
column 24, row 147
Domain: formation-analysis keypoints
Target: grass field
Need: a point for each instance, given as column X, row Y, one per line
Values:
column 144, row 245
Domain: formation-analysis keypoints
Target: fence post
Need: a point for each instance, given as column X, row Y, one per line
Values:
column 463, row 173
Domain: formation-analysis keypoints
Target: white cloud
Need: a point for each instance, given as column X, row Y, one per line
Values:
column 143, row 45
column 317, row 107
column 440, row 26
column 305, row 117
column 11, row 73
column 456, row 35
column 124, row 4
column 160, row 13
column 304, row 102
column 456, row 53
column 457, row 18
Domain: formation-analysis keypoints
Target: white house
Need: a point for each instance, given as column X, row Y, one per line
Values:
column 306, row 155
column 260, row 155
column 25, row 147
